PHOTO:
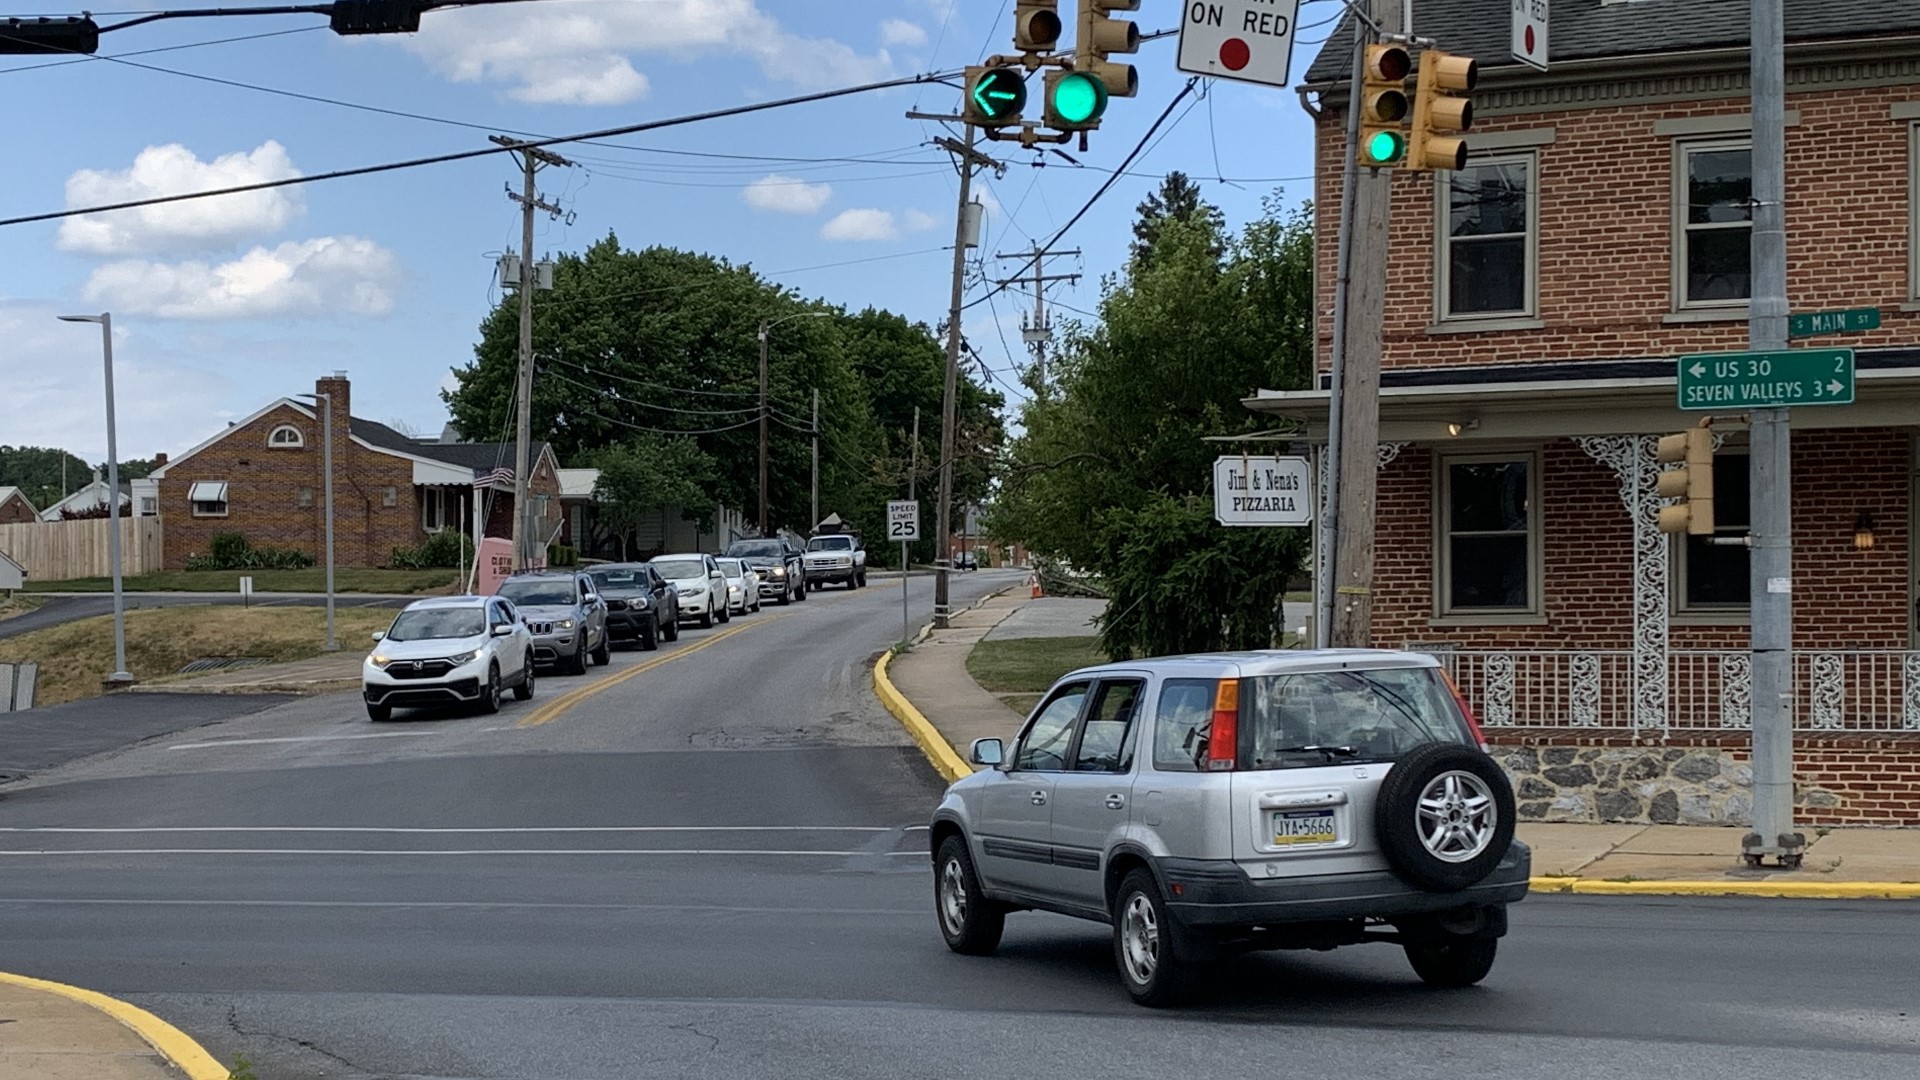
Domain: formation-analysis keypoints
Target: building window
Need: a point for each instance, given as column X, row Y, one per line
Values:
column 1713, row 577
column 306, row 497
column 1487, row 251
column 1913, row 212
column 149, row 506
column 438, row 508
column 390, row 496
column 286, row 437
column 208, row 498
column 1489, row 535
column 1713, row 223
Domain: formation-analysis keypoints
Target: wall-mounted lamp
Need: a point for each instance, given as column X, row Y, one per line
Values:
column 1863, row 532
column 1459, row 426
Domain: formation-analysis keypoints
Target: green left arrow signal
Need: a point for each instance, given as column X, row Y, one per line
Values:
column 998, row 95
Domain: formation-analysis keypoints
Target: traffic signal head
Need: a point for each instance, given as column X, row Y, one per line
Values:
column 28, row 37
column 1383, row 107
column 1075, row 100
column 1691, row 483
column 1440, row 107
column 1036, row 25
column 994, row 96
column 1100, row 36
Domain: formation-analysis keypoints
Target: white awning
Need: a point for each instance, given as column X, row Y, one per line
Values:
column 208, row 491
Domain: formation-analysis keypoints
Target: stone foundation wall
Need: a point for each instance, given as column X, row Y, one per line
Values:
column 1706, row 778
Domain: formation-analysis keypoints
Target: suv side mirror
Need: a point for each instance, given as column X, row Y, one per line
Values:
column 379, row 635
column 988, row 752
column 503, row 630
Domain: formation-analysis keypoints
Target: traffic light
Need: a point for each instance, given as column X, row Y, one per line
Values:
column 352, row 17
column 1075, row 100
column 1437, row 111
column 28, row 37
column 1383, row 107
column 995, row 96
column 1100, row 36
column 1036, row 25
column 1691, row 483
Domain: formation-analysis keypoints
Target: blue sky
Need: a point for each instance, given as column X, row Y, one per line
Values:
column 223, row 305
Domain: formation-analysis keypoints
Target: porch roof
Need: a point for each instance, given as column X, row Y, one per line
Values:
column 1604, row 397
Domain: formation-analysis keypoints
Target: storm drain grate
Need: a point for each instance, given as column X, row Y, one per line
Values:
column 223, row 663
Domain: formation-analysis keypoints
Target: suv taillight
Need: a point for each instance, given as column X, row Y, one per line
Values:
column 1466, row 710
column 1223, row 734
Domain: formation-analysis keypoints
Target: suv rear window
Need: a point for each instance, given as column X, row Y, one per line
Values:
column 1330, row 717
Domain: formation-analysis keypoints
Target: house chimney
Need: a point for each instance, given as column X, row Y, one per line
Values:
column 159, row 460
column 341, row 391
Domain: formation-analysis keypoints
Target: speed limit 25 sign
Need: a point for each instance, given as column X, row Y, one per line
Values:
column 903, row 520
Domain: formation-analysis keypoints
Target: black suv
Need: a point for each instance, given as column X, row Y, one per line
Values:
column 782, row 576
column 637, row 596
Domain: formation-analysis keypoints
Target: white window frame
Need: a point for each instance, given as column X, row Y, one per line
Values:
column 198, row 512
column 1683, row 149
column 304, row 498
column 149, row 506
column 389, row 496
column 1913, row 213
column 1443, row 243
column 1444, row 612
column 1680, row 557
column 433, row 504
column 274, row 442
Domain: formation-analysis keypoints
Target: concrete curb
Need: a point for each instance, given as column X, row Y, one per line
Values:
column 933, row 744
column 313, row 686
column 171, row 1043
column 1804, row 890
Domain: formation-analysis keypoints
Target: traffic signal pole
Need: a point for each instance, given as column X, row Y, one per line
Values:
column 1770, row 480
column 966, row 156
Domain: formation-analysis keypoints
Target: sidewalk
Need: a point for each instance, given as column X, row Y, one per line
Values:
column 326, row 674
column 55, row 1032
column 932, row 680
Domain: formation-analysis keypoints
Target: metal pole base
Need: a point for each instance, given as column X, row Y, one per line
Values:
column 1789, row 849
column 119, row 680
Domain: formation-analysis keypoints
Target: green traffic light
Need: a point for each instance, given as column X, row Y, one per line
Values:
column 1386, row 147
column 999, row 94
column 1078, row 97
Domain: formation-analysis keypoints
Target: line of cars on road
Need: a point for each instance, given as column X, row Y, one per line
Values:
column 468, row 651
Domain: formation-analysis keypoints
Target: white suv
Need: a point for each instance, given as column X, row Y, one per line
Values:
column 451, row 650
column 1202, row 805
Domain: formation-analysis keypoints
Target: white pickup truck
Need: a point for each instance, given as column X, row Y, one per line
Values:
column 835, row 557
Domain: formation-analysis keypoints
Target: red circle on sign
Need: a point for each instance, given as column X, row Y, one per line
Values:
column 1529, row 40
column 1234, row 54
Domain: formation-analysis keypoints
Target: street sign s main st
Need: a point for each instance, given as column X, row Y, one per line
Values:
column 1833, row 322
column 1269, row 491
column 1765, row 380
column 1248, row 40
column 903, row 520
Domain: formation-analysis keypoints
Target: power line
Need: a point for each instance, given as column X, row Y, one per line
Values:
column 82, row 59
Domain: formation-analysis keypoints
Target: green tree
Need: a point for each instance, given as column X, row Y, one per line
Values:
column 647, row 474
column 1111, row 473
column 36, row 471
column 1177, row 199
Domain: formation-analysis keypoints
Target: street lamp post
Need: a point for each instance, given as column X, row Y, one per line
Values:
column 325, row 401
column 121, row 677
column 766, row 326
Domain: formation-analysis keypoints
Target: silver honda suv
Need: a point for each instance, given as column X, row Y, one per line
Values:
column 1204, row 805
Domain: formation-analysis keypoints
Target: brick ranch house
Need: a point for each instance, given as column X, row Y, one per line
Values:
column 262, row 477
column 15, row 507
column 1537, row 300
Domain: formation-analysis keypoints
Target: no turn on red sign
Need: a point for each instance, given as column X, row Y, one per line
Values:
column 1248, row 40
column 1530, row 33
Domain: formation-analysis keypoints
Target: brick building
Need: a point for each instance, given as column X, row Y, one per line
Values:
column 263, row 477
column 15, row 507
column 1536, row 302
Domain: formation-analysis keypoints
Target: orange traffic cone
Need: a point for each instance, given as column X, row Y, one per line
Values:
column 1033, row 580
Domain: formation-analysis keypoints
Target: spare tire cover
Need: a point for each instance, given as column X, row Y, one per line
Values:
column 1444, row 816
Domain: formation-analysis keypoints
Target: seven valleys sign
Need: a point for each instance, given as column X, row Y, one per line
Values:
column 1765, row 380
column 1262, row 491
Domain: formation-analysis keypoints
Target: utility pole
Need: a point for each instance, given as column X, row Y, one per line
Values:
column 1771, row 464
column 531, row 159
column 1326, row 538
column 763, row 428
column 1039, row 331
column 967, row 159
column 816, row 458
column 1357, row 390
column 906, row 563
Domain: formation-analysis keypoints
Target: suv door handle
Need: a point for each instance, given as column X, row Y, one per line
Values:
column 1116, row 802
column 1039, row 798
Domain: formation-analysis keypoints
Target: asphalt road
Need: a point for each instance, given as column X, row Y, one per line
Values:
column 711, row 867
column 65, row 609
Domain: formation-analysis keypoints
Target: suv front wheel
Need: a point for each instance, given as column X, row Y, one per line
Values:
column 970, row 922
column 1143, row 947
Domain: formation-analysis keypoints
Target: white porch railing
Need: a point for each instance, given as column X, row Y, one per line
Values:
column 1833, row 689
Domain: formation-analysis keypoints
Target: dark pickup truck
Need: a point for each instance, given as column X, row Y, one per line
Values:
column 783, row 577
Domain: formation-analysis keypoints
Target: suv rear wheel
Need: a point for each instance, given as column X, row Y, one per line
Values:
column 1452, row 964
column 970, row 922
column 1445, row 816
column 1152, row 970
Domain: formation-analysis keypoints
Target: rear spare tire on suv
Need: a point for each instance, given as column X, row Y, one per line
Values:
column 1445, row 816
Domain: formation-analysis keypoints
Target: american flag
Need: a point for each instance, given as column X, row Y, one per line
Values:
column 500, row 476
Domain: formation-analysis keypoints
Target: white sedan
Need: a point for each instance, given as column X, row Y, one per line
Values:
column 743, row 586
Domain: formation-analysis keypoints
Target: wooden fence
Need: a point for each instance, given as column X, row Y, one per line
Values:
column 59, row 550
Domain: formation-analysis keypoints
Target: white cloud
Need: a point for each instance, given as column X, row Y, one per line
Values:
column 786, row 195
column 900, row 32
column 542, row 49
column 194, row 225
column 860, row 225
column 920, row 220
column 332, row 275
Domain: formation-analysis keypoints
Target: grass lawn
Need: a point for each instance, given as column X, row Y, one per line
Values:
column 74, row 657
column 1030, row 665
column 18, row 605
column 1297, row 597
column 311, row 580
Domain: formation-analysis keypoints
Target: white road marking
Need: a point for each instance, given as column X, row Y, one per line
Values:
column 429, row 831
column 464, row 851
column 304, row 738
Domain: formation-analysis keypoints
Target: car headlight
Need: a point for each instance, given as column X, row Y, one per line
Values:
column 563, row 624
column 463, row 658
column 380, row 661
column 778, row 572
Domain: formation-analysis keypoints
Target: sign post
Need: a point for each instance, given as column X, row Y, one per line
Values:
column 1248, row 40
column 903, row 524
column 1269, row 491
column 1530, row 33
column 1765, row 380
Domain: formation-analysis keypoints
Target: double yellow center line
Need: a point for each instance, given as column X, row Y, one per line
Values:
column 553, row 709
